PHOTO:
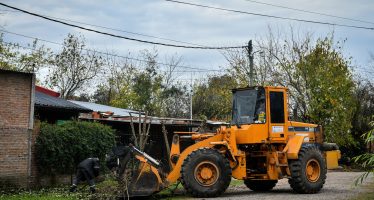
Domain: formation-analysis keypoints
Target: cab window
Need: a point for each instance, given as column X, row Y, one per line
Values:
column 276, row 107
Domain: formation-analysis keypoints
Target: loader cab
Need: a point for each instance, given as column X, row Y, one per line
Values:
column 249, row 106
column 259, row 114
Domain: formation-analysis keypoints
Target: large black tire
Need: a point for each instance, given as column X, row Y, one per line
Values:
column 308, row 172
column 260, row 185
column 205, row 173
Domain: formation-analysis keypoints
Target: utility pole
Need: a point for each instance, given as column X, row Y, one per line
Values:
column 191, row 104
column 191, row 99
column 250, row 58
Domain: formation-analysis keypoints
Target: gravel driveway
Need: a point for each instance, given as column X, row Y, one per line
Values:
column 339, row 185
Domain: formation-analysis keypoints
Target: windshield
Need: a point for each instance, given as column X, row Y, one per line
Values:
column 249, row 106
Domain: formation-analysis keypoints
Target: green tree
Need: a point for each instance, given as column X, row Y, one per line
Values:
column 329, row 90
column 364, row 110
column 73, row 67
column 176, row 101
column 140, row 89
column 212, row 100
column 14, row 57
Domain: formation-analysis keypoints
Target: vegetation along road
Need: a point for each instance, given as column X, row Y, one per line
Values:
column 339, row 185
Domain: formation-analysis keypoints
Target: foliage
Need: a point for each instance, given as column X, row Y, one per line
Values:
column 73, row 67
column 329, row 90
column 176, row 101
column 106, row 190
column 60, row 148
column 367, row 159
column 146, row 90
column 364, row 110
column 213, row 99
column 13, row 58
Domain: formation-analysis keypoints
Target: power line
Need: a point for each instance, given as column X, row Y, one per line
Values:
column 115, row 29
column 118, row 36
column 311, row 12
column 270, row 16
column 183, row 71
column 115, row 55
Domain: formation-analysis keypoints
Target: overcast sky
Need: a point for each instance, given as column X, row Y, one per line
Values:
column 189, row 24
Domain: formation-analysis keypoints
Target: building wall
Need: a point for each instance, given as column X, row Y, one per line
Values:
column 16, row 107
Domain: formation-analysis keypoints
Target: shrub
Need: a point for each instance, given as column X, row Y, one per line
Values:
column 60, row 148
column 367, row 159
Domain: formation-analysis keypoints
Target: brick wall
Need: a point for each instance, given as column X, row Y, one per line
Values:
column 15, row 129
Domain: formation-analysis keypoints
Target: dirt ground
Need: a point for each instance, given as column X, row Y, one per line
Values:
column 339, row 185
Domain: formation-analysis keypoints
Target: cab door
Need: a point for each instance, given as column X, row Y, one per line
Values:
column 278, row 115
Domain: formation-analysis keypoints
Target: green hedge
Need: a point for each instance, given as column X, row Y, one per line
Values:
column 60, row 148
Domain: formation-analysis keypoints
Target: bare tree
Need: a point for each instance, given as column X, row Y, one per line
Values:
column 140, row 137
column 282, row 57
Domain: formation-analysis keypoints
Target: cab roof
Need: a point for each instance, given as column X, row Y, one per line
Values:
column 258, row 87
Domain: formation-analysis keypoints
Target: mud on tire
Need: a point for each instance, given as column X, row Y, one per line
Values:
column 260, row 185
column 205, row 173
column 308, row 172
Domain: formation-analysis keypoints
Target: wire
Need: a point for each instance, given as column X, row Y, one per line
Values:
column 114, row 29
column 115, row 55
column 119, row 36
column 183, row 71
column 271, row 16
column 311, row 12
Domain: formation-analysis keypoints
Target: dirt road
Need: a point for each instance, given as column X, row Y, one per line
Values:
column 339, row 185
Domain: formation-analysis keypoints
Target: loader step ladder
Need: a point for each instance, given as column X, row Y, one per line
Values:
column 282, row 163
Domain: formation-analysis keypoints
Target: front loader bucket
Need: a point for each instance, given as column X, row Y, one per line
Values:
column 138, row 177
column 144, row 183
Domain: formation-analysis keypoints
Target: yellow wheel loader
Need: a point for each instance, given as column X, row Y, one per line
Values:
column 260, row 146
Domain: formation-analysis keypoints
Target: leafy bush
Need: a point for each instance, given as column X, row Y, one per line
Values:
column 367, row 159
column 60, row 148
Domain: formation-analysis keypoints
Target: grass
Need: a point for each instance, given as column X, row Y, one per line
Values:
column 44, row 194
column 368, row 195
column 106, row 190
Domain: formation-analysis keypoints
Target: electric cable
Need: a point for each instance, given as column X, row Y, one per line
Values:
column 270, row 16
column 111, row 54
column 310, row 12
column 120, row 36
column 115, row 29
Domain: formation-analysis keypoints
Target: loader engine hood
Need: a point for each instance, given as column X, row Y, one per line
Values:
column 248, row 105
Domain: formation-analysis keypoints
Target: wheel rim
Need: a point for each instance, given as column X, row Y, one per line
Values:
column 313, row 170
column 206, row 173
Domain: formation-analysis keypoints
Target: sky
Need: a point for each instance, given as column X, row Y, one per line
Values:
column 163, row 19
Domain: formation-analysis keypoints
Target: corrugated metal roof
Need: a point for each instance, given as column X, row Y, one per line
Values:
column 44, row 100
column 117, row 112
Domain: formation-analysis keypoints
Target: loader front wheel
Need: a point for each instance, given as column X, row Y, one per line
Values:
column 260, row 185
column 308, row 172
column 205, row 173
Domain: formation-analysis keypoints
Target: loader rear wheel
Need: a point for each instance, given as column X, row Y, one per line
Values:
column 259, row 185
column 308, row 172
column 205, row 173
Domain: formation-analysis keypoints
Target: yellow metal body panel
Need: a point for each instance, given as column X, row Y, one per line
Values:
column 332, row 158
column 277, row 131
column 310, row 134
column 293, row 146
column 240, row 170
column 250, row 134
column 175, row 149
